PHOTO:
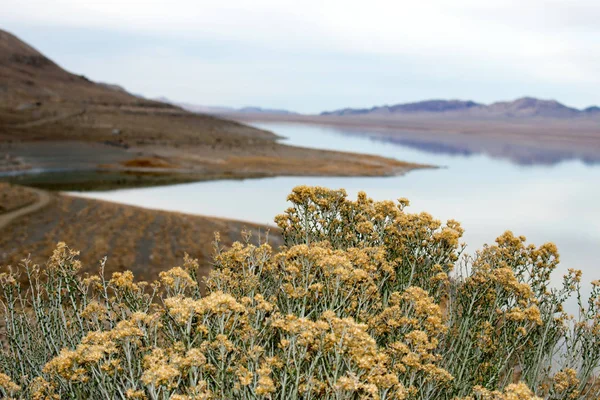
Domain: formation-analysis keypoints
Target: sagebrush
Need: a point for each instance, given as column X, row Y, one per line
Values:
column 360, row 302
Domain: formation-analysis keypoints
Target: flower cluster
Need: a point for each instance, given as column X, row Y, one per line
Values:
column 359, row 303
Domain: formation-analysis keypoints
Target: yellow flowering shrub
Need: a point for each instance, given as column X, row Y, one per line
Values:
column 360, row 303
column 518, row 391
column 7, row 386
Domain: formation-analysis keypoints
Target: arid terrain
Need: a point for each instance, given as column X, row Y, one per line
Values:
column 144, row 241
column 62, row 131
column 87, row 135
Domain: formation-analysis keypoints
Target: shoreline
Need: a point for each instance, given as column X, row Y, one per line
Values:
column 582, row 129
column 168, row 165
column 44, row 180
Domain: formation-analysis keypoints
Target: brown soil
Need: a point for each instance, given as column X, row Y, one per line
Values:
column 144, row 241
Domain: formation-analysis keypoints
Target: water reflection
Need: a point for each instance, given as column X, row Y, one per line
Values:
column 467, row 145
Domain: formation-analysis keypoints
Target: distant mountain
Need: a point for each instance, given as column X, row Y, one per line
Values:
column 421, row 106
column 219, row 110
column 592, row 110
column 531, row 107
column 258, row 110
column 435, row 106
column 205, row 109
column 523, row 107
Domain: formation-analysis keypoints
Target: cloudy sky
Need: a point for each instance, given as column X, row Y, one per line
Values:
column 314, row 55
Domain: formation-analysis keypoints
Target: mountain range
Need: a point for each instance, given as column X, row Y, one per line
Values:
column 523, row 107
column 219, row 110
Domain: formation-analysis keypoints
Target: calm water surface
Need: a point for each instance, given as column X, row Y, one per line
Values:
column 558, row 203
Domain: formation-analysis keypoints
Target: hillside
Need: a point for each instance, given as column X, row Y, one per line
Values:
column 145, row 241
column 99, row 135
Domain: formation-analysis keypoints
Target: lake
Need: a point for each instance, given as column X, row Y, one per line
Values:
column 557, row 202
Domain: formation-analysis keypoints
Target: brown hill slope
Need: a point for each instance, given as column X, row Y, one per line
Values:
column 145, row 241
column 116, row 138
column 27, row 74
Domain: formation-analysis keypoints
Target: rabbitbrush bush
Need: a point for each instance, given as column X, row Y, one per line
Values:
column 358, row 304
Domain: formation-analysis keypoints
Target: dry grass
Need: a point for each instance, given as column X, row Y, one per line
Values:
column 13, row 197
column 144, row 241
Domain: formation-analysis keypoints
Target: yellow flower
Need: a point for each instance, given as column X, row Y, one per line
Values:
column 177, row 279
column 157, row 369
column 123, row 281
column 565, row 381
column 265, row 383
column 244, row 376
column 7, row 384
column 135, row 394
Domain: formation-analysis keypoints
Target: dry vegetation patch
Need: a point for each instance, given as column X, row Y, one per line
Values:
column 13, row 197
column 137, row 239
column 149, row 162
